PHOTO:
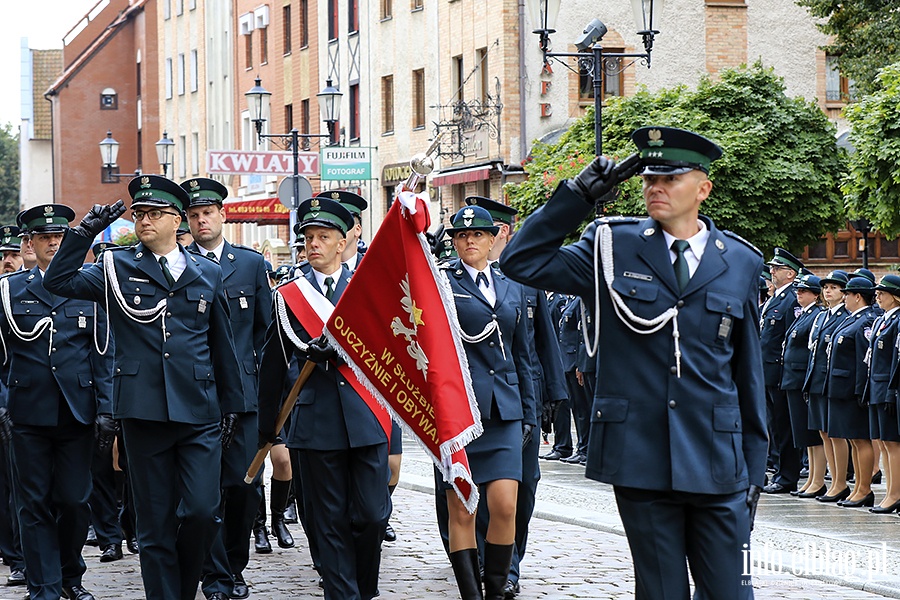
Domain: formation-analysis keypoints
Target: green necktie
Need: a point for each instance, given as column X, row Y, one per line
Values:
column 682, row 272
column 164, row 265
column 212, row 255
column 329, row 287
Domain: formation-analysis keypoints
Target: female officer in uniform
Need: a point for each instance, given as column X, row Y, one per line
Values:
column 816, row 374
column 882, row 399
column 795, row 361
column 491, row 313
column 848, row 416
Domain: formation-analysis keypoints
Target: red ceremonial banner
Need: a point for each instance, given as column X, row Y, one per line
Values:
column 405, row 346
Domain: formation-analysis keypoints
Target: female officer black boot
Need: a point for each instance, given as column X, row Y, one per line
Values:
column 280, row 490
column 468, row 574
column 496, row 569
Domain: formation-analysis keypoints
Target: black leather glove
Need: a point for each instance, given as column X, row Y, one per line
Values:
column 752, row 501
column 229, row 426
column 861, row 400
column 99, row 218
column 319, row 350
column 527, row 433
column 5, row 426
column 436, row 240
column 595, row 180
column 105, row 428
column 267, row 438
column 553, row 406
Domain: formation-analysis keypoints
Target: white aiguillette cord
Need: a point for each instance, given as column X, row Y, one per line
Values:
column 604, row 241
column 26, row 336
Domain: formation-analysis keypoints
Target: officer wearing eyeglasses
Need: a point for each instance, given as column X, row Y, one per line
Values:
column 175, row 373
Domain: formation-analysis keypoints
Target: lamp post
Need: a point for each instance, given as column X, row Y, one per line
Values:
column 862, row 225
column 258, row 99
column 109, row 153
column 591, row 56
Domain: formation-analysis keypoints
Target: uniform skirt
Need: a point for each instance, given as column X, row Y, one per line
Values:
column 804, row 436
column 847, row 419
column 497, row 453
column 883, row 424
column 818, row 412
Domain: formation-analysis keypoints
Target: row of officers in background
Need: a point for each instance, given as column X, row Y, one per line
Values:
column 830, row 350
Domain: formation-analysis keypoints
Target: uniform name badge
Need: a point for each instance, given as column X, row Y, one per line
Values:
column 201, row 307
column 881, row 344
column 82, row 322
column 724, row 328
column 530, row 311
column 243, row 302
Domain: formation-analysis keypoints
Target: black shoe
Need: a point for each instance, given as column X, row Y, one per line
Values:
column 883, row 510
column 321, row 583
column 876, row 478
column 554, row 455
column 76, row 592
column 777, row 488
column 511, row 590
column 91, row 537
column 111, row 553
column 572, row 460
column 240, row 587
column 132, row 545
column 261, row 543
column 217, row 596
column 804, row 472
column 842, row 495
column 867, row 500
column 290, row 513
column 281, row 533
column 16, row 577
column 389, row 534
column 819, row 492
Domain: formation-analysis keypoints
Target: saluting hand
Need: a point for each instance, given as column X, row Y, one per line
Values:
column 99, row 218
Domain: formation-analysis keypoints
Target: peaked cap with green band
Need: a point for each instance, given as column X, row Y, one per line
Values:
column 785, row 258
column 836, row 277
column 671, row 151
column 9, row 238
column 352, row 202
column 860, row 285
column 157, row 191
column 809, row 282
column 472, row 217
column 46, row 218
column 203, row 191
column 499, row 211
column 322, row 212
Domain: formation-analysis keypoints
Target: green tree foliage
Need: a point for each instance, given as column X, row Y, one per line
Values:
column 777, row 183
column 9, row 174
column 872, row 185
column 865, row 35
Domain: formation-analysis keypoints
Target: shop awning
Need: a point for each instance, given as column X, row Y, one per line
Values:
column 461, row 176
column 268, row 211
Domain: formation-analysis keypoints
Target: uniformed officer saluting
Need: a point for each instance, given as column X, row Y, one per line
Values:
column 175, row 375
column 250, row 303
column 678, row 420
column 58, row 389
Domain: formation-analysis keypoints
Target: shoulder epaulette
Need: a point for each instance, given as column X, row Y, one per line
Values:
column 444, row 265
column 248, row 248
column 11, row 274
column 287, row 280
column 617, row 220
column 735, row 236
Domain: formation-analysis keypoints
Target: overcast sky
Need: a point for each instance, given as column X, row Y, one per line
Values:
column 44, row 23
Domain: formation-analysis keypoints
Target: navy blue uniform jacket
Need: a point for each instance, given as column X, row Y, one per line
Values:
column 883, row 359
column 777, row 317
column 191, row 375
column 796, row 349
column 822, row 329
column 702, row 433
column 847, row 369
column 329, row 414
column 39, row 374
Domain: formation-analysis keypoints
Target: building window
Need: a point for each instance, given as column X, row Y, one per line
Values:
column 456, row 78
column 387, row 103
column 418, row 98
column 192, row 4
column 168, row 79
column 195, row 153
column 332, row 19
column 417, row 4
column 286, row 24
column 182, row 163
column 248, row 51
column 484, row 89
column 304, row 122
column 264, row 45
column 387, row 9
column 837, row 87
column 353, row 16
column 288, row 117
column 613, row 76
column 179, row 7
column 109, row 100
column 304, row 23
column 354, row 113
column 195, row 74
column 167, row 9
column 181, row 74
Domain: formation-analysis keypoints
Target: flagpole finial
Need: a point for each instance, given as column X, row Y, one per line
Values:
column 422, row 164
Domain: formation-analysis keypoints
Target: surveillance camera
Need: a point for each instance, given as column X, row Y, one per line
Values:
column 593, row 33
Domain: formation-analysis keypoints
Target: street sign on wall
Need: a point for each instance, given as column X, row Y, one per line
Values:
column 346, row 164
column 239, row 162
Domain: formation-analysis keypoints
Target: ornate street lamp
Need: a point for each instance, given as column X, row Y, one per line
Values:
column 165, row 151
